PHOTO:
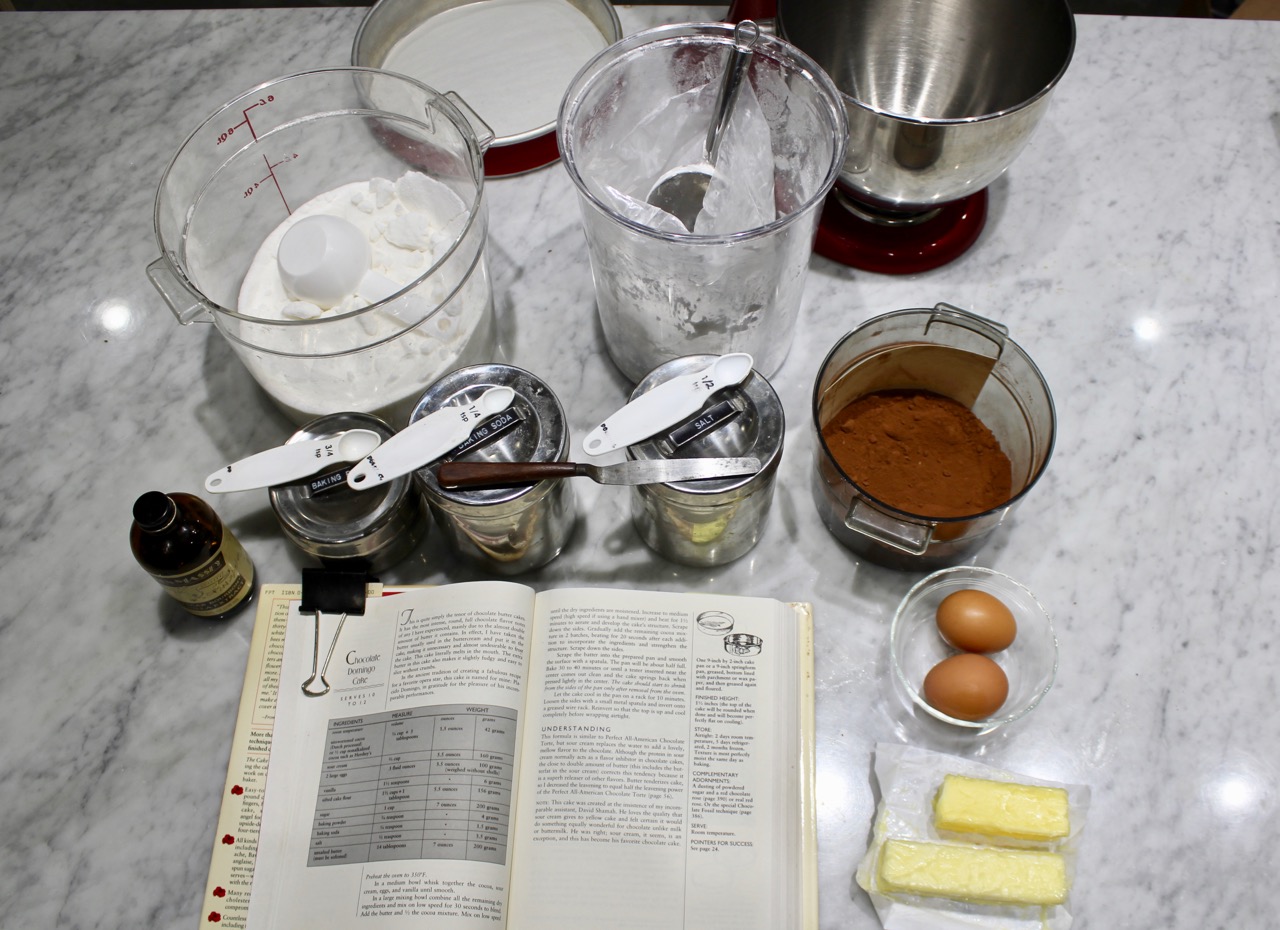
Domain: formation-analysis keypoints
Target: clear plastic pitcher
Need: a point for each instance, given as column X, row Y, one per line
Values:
column 262, row 160
column 641, row 108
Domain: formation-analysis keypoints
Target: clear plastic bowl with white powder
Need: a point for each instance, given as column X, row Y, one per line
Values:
column 380, row 150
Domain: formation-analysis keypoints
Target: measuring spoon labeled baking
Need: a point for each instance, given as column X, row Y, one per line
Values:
column 667, row 404
column 423, row 441
column 292, row 461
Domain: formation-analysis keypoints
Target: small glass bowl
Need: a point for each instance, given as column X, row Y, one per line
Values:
column 916, row 646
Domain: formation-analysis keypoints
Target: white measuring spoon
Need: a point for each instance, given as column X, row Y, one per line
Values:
column 325, row 259
column 292, row 461
column 425, row 440
column 667, row 404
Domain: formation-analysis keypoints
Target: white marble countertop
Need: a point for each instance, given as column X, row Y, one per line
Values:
column 1132, row 250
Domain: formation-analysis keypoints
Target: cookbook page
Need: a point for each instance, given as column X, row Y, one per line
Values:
column 664, row 781
column 389, row 798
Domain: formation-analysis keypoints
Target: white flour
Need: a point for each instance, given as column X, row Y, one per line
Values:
column 510, row 60
column 381, row 360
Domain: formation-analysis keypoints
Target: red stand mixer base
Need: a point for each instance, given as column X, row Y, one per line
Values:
column 901, row 247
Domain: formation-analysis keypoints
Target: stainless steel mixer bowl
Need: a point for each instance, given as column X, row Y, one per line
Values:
column 942, row 95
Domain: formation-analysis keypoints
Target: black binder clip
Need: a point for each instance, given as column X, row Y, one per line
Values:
column 325, row 591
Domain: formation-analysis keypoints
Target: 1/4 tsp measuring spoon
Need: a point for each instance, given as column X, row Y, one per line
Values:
column 423, row 441
column 292, row 461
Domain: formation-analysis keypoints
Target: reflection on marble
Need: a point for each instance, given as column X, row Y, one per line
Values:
column 1131, row 250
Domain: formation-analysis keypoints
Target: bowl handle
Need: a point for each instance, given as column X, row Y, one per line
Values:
column 483, row 132
column 997, row 333
column 891, row 531
column 182, row 300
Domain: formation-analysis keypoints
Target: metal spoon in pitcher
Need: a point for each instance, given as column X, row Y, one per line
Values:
column 682, row 190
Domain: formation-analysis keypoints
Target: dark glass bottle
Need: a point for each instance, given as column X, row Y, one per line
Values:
column 182, row 543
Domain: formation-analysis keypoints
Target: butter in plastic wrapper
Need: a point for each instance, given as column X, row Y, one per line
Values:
column 909, row 780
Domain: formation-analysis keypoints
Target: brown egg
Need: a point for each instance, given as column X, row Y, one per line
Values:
column 967, row 686
column 976, row 621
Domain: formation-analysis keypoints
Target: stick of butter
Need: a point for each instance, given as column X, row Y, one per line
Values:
column 1001, row 809
column 979, row 875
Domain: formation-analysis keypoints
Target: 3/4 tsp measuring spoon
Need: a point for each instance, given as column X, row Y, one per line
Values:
column 423, row 441
column 292, row 461
column 667, row 404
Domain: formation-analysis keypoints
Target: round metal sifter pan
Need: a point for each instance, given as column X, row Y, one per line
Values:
column 510, row 60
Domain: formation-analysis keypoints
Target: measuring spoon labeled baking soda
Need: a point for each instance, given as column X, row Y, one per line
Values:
column 292, row 462
column 423, row 441
column 667, row 404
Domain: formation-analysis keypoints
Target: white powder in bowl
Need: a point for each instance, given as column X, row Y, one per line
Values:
column 409, row 341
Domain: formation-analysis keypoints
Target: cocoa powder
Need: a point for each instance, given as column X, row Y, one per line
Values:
column 920, row 452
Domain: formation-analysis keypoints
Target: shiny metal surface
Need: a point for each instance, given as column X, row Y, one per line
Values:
column 712, row 522
column 505, row 530
column 343, row 528
column 941, row 95
column 389, row 21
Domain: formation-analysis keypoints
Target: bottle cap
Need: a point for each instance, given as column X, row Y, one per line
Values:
column 153, row 510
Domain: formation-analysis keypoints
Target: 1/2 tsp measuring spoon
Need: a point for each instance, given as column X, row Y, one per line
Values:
column 423, row 441
column 667, row 404
column 292, row 461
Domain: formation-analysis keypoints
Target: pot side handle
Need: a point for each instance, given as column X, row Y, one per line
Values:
column 896, row 533
column 181, row 300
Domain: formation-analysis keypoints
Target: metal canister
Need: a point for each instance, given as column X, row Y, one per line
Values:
column 343, row 528
column 512, row 529
column 710, row 522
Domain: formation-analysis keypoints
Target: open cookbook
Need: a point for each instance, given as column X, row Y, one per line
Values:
column 487, row 756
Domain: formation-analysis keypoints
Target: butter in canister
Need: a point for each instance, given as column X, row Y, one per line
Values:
column 506, row 530
column 344, row 528
column 711, row 521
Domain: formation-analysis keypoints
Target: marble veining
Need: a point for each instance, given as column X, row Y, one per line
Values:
column 1131, row 250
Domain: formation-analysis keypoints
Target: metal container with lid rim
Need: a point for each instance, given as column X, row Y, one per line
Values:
column 710, row 522
column 342, row 527
column 507, row 530
column 515, row 89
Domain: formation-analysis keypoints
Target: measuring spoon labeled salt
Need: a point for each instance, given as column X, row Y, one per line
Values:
column 667, row 404
column 292, row 461
column 423, row 441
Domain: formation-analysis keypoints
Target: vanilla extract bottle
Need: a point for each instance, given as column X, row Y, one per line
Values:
column 185, row 547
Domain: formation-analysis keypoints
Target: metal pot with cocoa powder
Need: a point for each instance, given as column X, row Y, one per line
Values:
column 930, row 426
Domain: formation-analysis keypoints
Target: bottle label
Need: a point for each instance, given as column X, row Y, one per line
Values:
column 216, row 586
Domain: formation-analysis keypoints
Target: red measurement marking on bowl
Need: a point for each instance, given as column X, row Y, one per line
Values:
column 246, row 122
column 271, row 176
